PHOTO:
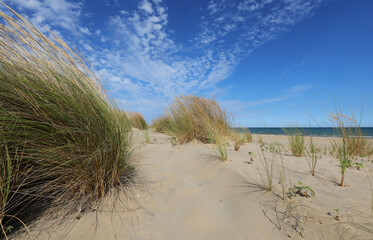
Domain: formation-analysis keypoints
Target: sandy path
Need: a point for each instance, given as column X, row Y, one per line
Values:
column 190, row 194
column 197, row 197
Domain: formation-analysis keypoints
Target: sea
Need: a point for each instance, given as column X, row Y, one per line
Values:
column 309, row 131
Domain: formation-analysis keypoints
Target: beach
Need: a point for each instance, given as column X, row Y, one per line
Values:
column 149, row 120
column 187, row 192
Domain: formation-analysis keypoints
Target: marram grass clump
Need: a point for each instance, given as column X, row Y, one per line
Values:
column 353, row 142
column 61, row 137
column 348, row 128
column 161, row 124
column 191, row 117
column 296, row 141
column 137, row 120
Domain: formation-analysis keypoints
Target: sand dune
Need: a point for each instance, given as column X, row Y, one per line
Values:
column 188, row 193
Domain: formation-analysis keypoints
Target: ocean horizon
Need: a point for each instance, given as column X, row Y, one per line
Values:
column 306, row 131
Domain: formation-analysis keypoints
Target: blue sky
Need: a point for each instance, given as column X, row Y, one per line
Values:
column 270, row 62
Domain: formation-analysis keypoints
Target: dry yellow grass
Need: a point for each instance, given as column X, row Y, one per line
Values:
column 192, row 117
column 137, row 120
column 349, row 129
column 62, row 140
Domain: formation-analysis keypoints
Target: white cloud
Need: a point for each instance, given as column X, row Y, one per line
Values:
column 151, row 63
column 143, row 59
column 300, row 88
column 146, row 6
column 268, row 100
column 52, row 13
column 87, row 47
column 213, row 7
column 84, row 30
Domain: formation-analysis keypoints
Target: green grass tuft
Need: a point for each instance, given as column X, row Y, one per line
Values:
column 311, row 156
column 268, row 171
column 349, row 129
column 296, row 141
column 353, row 143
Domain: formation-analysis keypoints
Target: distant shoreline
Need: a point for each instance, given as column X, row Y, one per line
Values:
column 331, row 136
column 309, row 131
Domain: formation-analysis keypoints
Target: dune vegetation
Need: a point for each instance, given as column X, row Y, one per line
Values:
column 352, row 141
column 296, row 141
column 65, row 144
column 161, row 124
column 137, row 120
column 62, row 140
column 348, row 128
column 191, row 117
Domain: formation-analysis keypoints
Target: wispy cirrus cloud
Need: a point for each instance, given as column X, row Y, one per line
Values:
column 144, row 63
column 52, row 14
column 229, row 31
column 239, row 107
column 150, row 61
column 300, row 88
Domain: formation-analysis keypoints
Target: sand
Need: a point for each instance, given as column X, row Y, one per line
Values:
column 186, row 192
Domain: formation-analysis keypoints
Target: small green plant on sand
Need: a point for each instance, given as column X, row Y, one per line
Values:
column 296, row 141
column 274, row 147
column 301, row 190
column 282, row 172
column 173, row 141
column 268, row 169
column 358, row 166
column 344, row 161
column 217, row 135
column 220, row 143
column 337, row 214
column 263, row 147
column 311, row 157
column 146, row 136
column 252, row 156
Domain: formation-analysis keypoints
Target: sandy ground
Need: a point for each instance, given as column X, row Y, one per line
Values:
column 188, row 193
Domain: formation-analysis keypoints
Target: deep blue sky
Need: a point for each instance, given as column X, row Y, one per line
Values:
column 270, row 63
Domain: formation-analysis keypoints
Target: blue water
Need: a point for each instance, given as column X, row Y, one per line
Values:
column 314, row 131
